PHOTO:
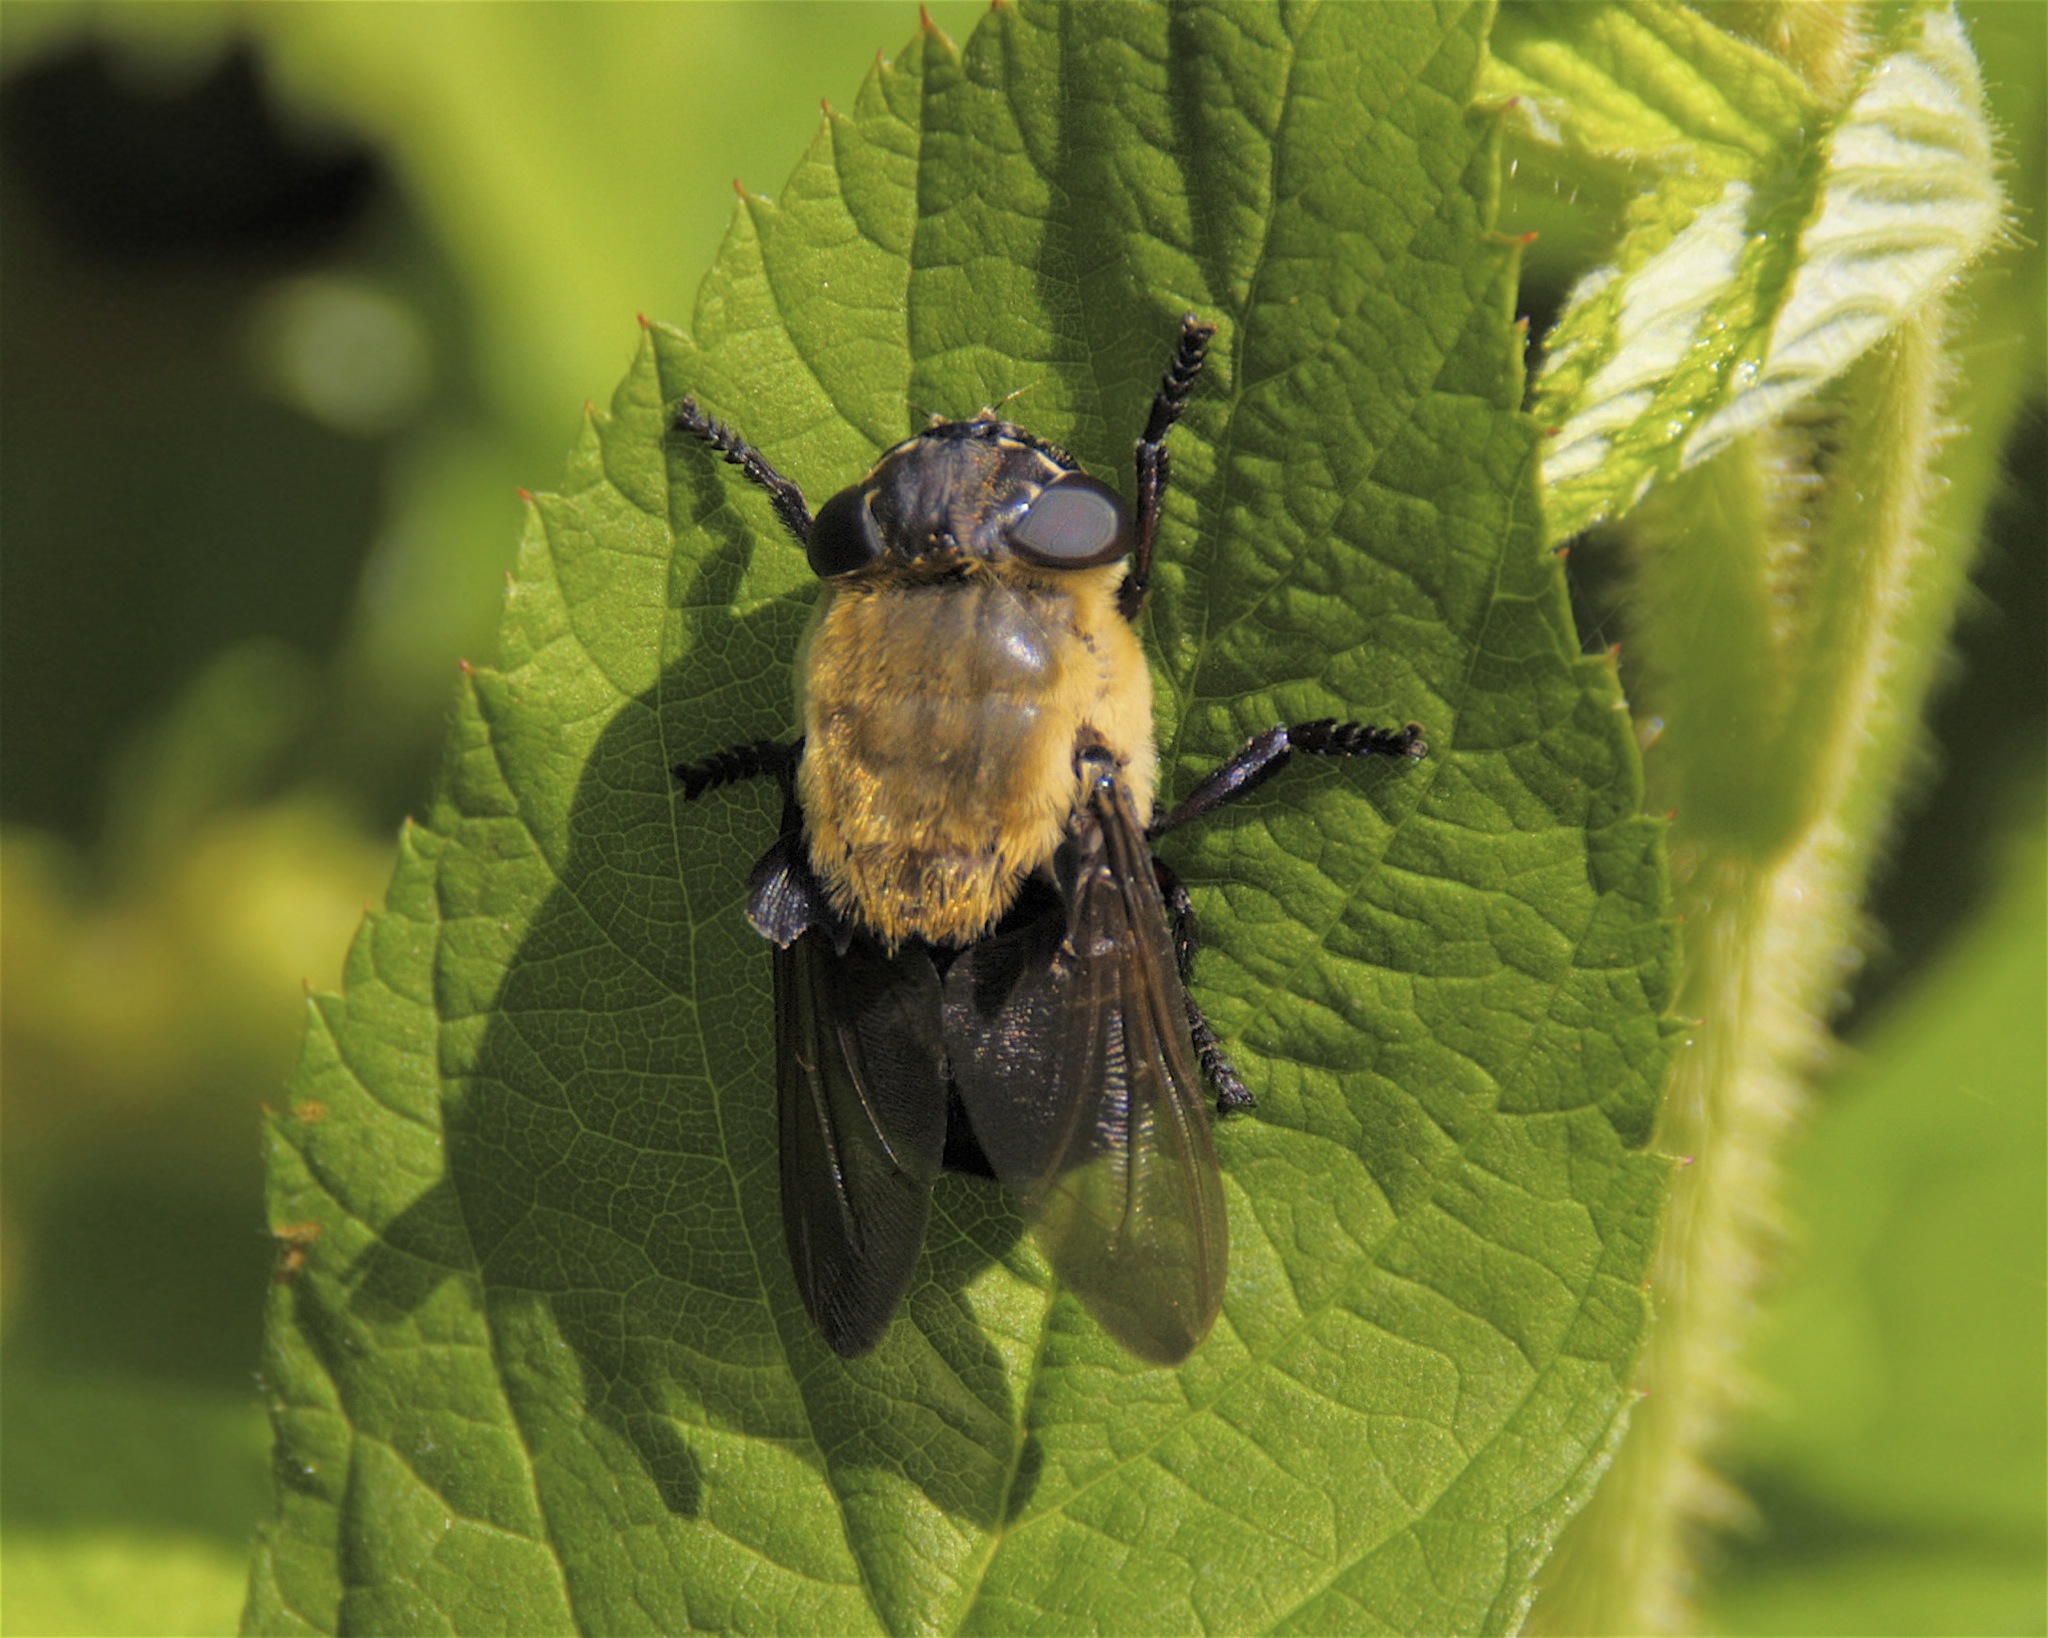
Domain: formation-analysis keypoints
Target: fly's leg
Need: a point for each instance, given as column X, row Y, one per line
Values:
column 1263, row 756
column 1266, row 754
column 759, row 759
column 1180, row 917
column 1231, row 1092
column 787, row 498
column 1151, row 459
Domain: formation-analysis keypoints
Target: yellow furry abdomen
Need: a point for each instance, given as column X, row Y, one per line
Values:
column 940, row 720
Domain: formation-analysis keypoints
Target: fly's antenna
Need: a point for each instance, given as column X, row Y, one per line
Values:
column 1151, row 460
column 1011, row 397
column 787, row 498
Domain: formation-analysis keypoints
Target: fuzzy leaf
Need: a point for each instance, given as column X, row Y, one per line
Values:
column 1776, row 242
column 544, row 1366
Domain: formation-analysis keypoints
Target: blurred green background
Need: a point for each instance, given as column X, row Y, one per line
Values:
column 293, row 299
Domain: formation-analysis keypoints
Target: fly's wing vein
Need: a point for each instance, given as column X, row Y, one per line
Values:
column 861, row 1100
column 1068, row 1039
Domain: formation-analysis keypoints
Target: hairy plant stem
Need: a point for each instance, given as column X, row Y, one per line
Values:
column 1786, row 744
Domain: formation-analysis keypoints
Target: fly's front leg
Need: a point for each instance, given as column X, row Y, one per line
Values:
column 1266, row 754
column 758, row 759
column 1151, row 460
column 1231, row 1092
column 788, row 499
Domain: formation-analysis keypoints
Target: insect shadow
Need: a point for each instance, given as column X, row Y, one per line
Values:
column 611, row 1144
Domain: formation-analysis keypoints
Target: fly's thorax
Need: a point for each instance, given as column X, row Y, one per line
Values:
column 981, row 492
column 941, row 717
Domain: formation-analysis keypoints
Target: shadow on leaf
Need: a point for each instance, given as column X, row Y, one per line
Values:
column 612, row 1148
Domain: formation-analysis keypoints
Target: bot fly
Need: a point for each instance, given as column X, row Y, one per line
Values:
column 978, row 961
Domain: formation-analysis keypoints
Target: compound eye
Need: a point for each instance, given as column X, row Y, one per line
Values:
column 844, row 535
column 1077, row 522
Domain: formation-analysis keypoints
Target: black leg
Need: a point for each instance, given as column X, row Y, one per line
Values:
column 761, row 759
column 1231, row 1092
column 1180, row 917
column 788, row 499
column 1167, row 404
column 1266, row 754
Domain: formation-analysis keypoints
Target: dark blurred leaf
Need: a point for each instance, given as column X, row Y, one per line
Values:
column 125, row 1504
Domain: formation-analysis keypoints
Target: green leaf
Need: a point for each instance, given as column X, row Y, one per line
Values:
column 1779, row 240
column 1655, row 85
column 1800, row 551
column 544, row 1366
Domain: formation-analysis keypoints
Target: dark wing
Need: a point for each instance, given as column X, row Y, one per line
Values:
column 1068, row 1034
column 861, row 1104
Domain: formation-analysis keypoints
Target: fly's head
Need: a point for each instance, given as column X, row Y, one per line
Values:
column 968, row 495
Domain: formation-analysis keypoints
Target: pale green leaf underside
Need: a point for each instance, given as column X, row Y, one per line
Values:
column 545, row 1368
column 1772, row 247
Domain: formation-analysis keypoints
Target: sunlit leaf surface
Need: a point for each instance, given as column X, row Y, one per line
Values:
column 1779, row 241
column 544, row 1367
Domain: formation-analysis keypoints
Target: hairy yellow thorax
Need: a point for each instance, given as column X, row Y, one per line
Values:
column 940, row 720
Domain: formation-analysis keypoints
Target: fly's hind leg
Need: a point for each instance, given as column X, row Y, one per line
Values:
column 1264, row 755
column 1231, row 1092
column 1180, row 917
